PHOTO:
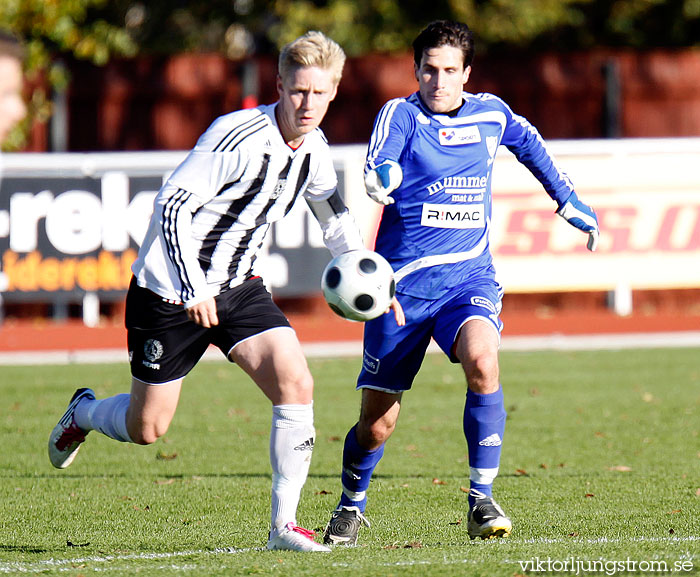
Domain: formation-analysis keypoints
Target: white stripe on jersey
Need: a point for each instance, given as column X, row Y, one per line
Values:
column 532, row 130
column 525, row 123
column 450, row 258
column 381, row 131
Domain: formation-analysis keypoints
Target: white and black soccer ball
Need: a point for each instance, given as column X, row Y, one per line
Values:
column 358, row 285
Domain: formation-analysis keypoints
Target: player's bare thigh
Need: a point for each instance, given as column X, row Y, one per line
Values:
column 275, row 361
column 477, row 350
column 151, row 409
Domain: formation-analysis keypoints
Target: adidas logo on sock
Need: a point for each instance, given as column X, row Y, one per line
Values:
column 307, row 445
column 351, row 474
column 491, row 441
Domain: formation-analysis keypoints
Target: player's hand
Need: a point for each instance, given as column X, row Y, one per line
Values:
column 398, row 312
column 583, row 217
column 204, row 313
column 382, row 181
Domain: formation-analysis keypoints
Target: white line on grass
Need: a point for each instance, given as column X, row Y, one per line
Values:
column 46, row 564
column 41, row 566
column 605, row 540
column 354, row 348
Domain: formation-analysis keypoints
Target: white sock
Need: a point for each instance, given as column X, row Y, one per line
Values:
column 291, row 445
column 106, row 415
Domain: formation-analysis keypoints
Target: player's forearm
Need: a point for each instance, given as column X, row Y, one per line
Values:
column 340, row 232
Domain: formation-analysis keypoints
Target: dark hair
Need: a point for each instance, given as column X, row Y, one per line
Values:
column 445, row 33
column 11, row 46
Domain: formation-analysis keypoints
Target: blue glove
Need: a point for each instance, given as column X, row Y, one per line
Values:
column 383, row 180
column 583, row 217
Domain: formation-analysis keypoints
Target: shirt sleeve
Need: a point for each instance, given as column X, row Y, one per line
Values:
column 206, row 169
column 340, row 232
column 173, row 210
column 323, row 180
column 389, row 134
column 528, row 146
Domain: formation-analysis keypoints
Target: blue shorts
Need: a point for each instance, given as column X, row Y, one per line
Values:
column 393, row 355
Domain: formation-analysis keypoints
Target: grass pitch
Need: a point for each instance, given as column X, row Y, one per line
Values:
column 600, row 472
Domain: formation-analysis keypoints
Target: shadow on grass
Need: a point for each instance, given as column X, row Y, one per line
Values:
column 23, row 549
column 200, row 476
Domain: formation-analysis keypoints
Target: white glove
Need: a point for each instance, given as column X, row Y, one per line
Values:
column 381, row 181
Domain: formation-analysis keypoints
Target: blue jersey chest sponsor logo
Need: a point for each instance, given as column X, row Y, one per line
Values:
column 453, row 215
column 459, row 184
column 459, row 135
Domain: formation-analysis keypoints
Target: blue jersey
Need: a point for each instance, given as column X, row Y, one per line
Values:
column 436, row 234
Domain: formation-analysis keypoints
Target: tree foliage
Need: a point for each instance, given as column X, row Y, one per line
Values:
column 99, row 29
column 240, row 27
column 390, row 25
column 51, row 28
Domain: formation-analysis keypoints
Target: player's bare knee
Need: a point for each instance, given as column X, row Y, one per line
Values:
column 146, row 438
column 305, row 383
column 373, row 435
column 296, row 388
column 146, row 434
column 482, row 373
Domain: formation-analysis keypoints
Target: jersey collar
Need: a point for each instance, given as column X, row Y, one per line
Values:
column 439, row 115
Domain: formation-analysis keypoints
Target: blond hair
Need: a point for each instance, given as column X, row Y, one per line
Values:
column 312, row 49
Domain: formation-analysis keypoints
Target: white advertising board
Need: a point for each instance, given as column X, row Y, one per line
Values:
column 647, row 197
column 70, row 223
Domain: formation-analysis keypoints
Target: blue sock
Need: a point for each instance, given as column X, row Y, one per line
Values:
column 358, row 466
column 484, row 425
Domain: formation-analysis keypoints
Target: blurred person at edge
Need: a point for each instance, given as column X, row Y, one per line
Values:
column 12, row 107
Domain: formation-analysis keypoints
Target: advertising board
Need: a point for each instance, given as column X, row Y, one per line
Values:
column 71, row 224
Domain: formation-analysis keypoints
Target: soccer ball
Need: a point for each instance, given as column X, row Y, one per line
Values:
column 358, row 285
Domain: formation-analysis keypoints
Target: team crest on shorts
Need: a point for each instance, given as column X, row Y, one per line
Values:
column 153, row 350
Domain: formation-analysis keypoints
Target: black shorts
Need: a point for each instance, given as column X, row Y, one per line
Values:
column 165, row 345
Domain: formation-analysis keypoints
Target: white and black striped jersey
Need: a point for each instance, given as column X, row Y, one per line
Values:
column 212, row 214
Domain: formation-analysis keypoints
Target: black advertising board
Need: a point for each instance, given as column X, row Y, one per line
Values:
column 71, row 224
